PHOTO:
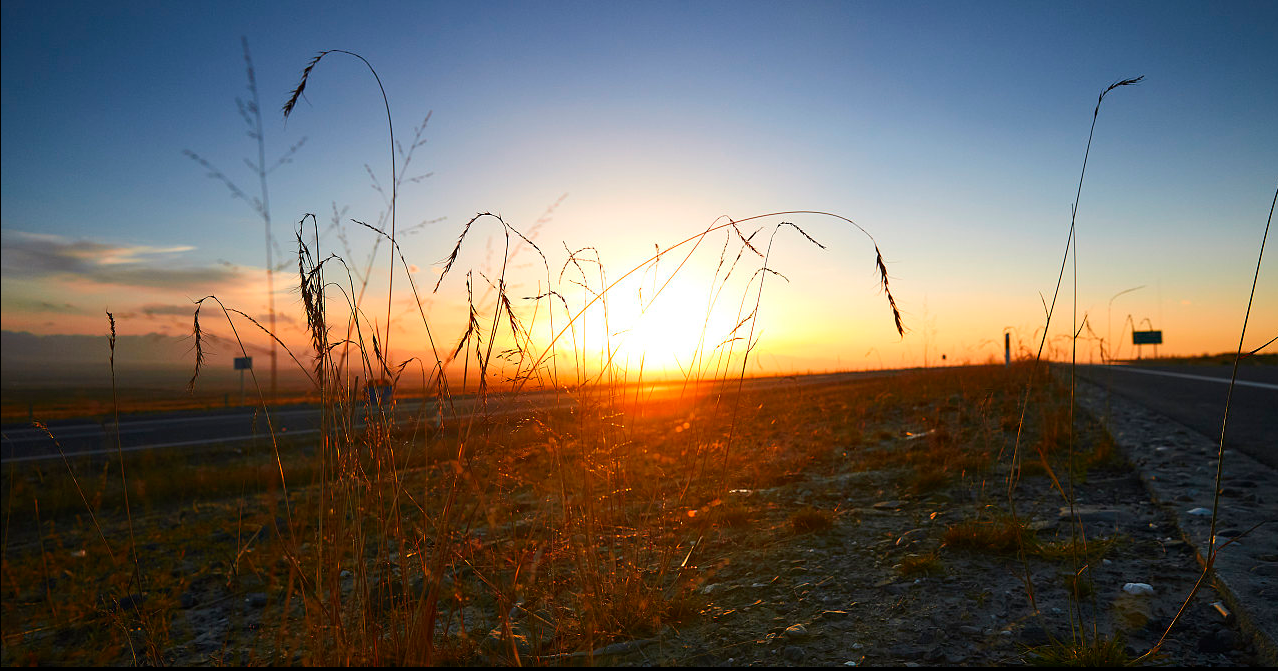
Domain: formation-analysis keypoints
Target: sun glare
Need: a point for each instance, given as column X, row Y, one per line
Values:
column 670, row 333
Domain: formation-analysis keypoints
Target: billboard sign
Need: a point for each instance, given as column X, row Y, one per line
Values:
column 1147, row 337
column 243, row 363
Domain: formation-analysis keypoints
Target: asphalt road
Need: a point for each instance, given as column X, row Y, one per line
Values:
column 191, row 430
column 1191, row 395
column 195, row 429
column 1195, row 396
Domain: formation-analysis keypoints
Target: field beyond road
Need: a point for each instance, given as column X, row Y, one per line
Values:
column 941, row 516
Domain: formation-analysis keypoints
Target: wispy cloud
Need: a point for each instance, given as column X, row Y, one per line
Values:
column 154, row 309
column 28, row 304
column 41, row 255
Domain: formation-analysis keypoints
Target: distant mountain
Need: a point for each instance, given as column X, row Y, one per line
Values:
column 20, row 349
column 28, row 360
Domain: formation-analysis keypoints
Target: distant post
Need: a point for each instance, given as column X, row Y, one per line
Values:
column 243, row 363
column 1007, row 349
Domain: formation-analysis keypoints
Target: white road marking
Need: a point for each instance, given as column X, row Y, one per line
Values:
column 185, row 443
column 284, row 434
column 1245, row 383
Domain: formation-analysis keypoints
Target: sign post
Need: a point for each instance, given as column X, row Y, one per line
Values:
column 243, row 363
column 1154, row 338
column 1007, row 349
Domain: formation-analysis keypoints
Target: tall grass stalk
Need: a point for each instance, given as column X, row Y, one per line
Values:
column 1076, row 623
column 288, row 109
column 1213, row 551
column 124, row 484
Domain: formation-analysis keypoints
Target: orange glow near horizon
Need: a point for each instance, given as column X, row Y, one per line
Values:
column 827, row 315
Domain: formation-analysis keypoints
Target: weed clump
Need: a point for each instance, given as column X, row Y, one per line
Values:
column 1090, row 551
column 811, row 520
column 729, row 515
column 1001, row 536
column 914, row 566
column 929, row 479
column 1098, row 652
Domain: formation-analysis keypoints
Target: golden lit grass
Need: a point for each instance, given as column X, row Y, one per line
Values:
column 594, row 531
column 591, row 535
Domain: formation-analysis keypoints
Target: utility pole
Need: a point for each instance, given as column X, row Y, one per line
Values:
column 251, row 113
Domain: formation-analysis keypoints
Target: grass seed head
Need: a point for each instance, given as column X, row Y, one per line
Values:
column 198, row 335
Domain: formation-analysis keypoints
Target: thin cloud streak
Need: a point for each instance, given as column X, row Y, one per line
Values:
column 40, row 255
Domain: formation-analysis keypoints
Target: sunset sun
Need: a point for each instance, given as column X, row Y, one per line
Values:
column 670, row 332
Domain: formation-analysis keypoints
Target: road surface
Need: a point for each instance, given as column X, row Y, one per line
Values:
column 197, row 429
column 1191, row 395
column 1195, row 396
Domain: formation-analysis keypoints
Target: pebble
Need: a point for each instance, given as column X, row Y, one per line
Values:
column 1138, row 589
column 795, row 631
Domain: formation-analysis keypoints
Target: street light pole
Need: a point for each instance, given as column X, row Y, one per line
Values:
column 1109, row 319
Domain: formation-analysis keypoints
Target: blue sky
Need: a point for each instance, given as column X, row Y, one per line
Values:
column 953, row 132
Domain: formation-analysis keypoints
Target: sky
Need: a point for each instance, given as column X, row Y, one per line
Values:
column 952, row 133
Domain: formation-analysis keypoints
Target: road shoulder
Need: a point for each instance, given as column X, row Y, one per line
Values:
column 1178, row 467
